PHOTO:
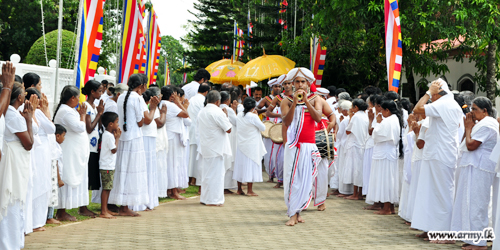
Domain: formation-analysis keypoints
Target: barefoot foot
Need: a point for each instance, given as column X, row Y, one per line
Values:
column 107, row 216
column 40, row 229
column 322, row 207
column 252, row 194
column 292, row 221
column 53, row 221
column 382, row 212
column 278, row 185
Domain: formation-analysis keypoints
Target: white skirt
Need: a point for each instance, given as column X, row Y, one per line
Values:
column 194, row 168
column 278, row 160
column 434, row 197
column 28, row 205
column 334, row 179
column 412, row 192
column 367, row 166
column 384, row 182
column 40, row 210
column 54, row 185
column 470, row 209
column 176, row 164
column 229, row 182
column 403, row 202
column 73, row 197
column 12, row 227
column 268, row 145
column 130, row 184
column 353, row 166
column 150, row 150
column 343, row 188
column 212, row 184
column 43, row 170
column 162, row 172
column 246, row 170
column 300, row 169
column 320, row 184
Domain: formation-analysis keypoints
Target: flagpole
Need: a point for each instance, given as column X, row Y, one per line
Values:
column 234, row 39
column 295, row 20
column 59, row 39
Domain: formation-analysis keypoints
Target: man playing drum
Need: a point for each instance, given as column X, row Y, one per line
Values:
column 274, row 117
column 301, row 154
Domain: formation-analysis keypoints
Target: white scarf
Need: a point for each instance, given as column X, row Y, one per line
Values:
column 14, row 175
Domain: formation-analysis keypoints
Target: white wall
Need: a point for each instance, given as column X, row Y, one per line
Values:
column 48, row 78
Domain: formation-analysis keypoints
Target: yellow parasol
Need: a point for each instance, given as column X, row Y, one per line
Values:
column 264, row 67
column 224, row 70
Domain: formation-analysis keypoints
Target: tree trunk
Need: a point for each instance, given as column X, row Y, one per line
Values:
column 411, row 84
column 491, row 71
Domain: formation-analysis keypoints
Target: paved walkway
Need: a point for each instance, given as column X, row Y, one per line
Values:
column 243, row 223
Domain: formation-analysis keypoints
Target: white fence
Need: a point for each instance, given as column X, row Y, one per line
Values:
column 48, row 78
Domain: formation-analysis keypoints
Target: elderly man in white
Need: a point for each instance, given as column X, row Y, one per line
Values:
column 196, row 103
column 435, row 188
column 213, row 128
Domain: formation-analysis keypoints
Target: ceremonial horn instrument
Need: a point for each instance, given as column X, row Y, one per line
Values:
column 300, row 97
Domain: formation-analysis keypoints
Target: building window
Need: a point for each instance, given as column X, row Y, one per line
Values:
column 466, row 82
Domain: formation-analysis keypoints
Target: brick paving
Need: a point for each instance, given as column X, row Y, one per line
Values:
column 242, row 223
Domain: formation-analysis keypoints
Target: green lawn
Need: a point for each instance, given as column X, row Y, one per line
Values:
column 96, row 208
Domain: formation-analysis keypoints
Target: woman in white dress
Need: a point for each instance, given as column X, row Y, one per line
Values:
column 74, row 193
column 130, row 187
column 475, row 171
column 93, row 90
column 357, row 133
column 42, row 154
column 149, row 132
column 344, row 189
column 15, row 168
column 374, row 102
column 384, row 176
column 250, row 148
column 176, row 142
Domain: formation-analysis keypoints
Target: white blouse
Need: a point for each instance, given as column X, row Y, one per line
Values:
column 135, row 114
column 14, row 123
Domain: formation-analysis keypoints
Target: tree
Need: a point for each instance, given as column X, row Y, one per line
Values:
column 20, row 23
column 36, row 55
column 172, row 50
column 479, row 23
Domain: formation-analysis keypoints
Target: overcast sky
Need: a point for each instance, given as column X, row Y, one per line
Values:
column 172, row 15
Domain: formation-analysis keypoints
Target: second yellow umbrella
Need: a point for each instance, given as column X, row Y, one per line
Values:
column 264, row 67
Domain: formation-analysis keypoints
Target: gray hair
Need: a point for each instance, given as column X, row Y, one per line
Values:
column 468, row 97
column 156, row 91
column 484, row 103
column 213, row 96
column 345, row 104
column 344, row 96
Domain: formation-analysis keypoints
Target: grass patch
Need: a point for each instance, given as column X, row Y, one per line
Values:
column 191, row 191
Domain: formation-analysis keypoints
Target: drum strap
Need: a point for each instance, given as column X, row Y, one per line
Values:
column 327, row 143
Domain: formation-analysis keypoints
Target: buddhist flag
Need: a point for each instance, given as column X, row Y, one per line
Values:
column 393, row 44
column 90, row 40
column 153, row 48
column 133, row 52
column 317, row 59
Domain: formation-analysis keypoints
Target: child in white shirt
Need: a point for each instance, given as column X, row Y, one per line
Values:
column 107, row 159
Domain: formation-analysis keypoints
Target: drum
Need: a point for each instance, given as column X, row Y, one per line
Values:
column 276, row 134
column 268, row 125
column 324, row 142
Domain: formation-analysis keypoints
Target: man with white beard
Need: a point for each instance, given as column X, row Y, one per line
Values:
column 213, row 128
